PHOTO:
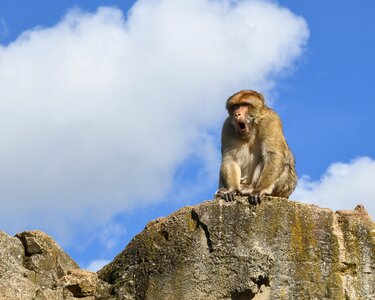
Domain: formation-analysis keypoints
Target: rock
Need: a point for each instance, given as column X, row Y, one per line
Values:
column 279, row 249
column 80, row 283
column 34, row 267
column 13, row 276
column 45, row 258
column 276, row 250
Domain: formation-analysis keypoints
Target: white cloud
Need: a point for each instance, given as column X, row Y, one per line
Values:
column 97, row 264
column 342, row 186
column 97, row 111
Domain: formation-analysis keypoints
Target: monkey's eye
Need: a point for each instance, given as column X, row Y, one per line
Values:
column 234, row 107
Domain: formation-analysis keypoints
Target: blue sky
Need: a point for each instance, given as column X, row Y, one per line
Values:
column 110, row 117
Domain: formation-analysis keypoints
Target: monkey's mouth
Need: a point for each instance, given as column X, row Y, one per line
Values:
column 241, row 126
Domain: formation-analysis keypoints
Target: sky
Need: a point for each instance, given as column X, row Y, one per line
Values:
column 111, row 111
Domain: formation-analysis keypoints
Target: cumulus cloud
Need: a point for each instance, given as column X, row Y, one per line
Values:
column 98, row 111
column 97, row 264
column 342, row 186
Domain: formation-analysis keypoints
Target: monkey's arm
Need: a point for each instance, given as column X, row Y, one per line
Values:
column 230, row 176
column 273, row 147
column 230, row 171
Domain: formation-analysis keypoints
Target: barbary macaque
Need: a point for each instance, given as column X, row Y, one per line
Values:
column 256, row 159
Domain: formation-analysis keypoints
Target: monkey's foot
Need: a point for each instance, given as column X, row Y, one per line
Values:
column 254, row 199
column 246, row 190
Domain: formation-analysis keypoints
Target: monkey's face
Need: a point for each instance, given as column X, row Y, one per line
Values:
column 239, row 114
column 245, row 109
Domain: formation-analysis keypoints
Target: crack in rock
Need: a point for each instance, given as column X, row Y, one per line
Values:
column 195, row 217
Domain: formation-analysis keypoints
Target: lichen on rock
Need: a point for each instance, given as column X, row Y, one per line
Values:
column 34, row 267
column 279, row 249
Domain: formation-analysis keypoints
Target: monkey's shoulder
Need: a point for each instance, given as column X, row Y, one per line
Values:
column 271, row 117
column 227, row 124
column 228, row 130
column 270, row 122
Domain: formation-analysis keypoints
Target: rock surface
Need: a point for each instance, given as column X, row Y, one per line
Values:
column 34, row 267
column 279, row 249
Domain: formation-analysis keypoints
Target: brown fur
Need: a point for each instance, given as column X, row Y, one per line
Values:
column 256, row 159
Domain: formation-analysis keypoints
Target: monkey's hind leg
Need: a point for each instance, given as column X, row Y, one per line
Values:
column 254, row 199
column 248, row 191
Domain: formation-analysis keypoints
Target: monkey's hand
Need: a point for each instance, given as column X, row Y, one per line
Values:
column 227, row 195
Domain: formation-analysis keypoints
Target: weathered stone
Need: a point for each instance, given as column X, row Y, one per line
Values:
column 13, row 281
column 34, row 267
column 277, row 250
column 45, row 258
column 80, row 283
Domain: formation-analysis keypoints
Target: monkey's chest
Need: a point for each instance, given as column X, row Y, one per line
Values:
column 247, row 161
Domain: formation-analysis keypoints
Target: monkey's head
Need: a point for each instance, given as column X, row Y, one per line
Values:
column 245, row 109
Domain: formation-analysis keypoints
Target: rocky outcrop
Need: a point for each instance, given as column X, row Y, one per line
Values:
column 279, row 249
column 33, row 266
